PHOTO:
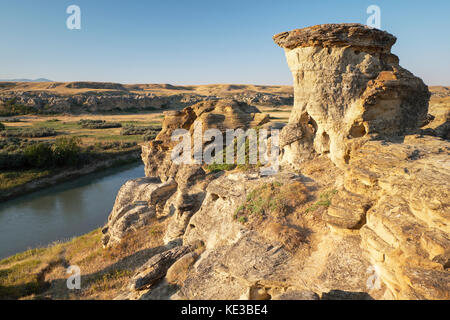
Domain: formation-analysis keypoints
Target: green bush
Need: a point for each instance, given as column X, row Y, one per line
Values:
column 65, row 151
column 14, row 145
column 39, row 155
column 29, row 133
column 2, row 126
column 10, row 161
column 131, row 130
column 12, row 120
column 11, row 108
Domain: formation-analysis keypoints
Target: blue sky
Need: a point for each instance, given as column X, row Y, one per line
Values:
column 198, row 41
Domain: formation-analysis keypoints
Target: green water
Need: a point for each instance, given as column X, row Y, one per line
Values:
column 62, row 211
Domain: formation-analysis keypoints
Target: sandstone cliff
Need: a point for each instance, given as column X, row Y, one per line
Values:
column 359, row 210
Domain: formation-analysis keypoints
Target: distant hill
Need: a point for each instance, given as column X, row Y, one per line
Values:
column 26, row 80
column 88, row 96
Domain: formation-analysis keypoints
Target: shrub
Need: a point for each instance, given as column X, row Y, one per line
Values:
column 2, row 126
column 13, row 144
column 29, row 133
column 65, row 151
column 217, row 167
column 131, row 130
column 39, row 155
column 98, row 124
column 324, row 201
column 12, row 161
column 12, row 120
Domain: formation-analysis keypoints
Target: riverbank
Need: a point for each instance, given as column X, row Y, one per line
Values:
column 57, row 176
column 41, row 273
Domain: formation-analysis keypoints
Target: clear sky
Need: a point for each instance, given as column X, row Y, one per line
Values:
column 200, row 41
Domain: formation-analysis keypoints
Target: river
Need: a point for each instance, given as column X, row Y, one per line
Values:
column 62, row 211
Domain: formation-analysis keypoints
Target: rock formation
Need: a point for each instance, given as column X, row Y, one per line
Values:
column 75, row 97
column 402, row 187
column 347, row 85
column 360, row 209
column 220, row 114
column 173, row 189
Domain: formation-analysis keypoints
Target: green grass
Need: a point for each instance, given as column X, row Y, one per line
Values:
column 29, row 284
column 22, row 256
column 22, row 274
column 324, row 201
column 91, row 145
column 57, row 125
column 217, row 167
column 120, row 138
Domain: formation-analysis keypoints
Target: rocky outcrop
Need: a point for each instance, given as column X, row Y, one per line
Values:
column 76, row 97
column 347, row 85
column 363, row 215
column 405, row 187
column 174, row 190
column 96, row 102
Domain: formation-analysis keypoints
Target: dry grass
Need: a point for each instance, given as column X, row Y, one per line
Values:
column 41, row 273
column 272, row 199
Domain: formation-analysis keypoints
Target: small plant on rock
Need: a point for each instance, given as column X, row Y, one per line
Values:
column 271, row 199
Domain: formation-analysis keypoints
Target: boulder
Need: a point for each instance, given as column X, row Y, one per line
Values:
column 156, row 267
column 137, row 201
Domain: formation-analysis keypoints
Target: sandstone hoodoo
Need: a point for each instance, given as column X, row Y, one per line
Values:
column 360, row 207
column 347, row 85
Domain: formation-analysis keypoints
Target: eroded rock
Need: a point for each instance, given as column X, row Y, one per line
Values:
column 347, row 85
column 137, row 201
